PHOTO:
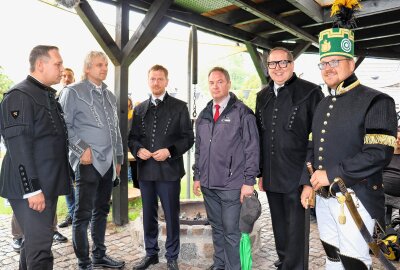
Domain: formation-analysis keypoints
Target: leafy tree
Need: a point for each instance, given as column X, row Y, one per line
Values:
column 5, row 83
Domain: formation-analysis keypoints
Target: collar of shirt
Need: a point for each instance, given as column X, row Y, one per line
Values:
column 276, row 87
column 153, row 98
column 222, row 104
column 97, row 88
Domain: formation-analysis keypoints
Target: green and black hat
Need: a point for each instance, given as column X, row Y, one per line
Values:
column 339, row 40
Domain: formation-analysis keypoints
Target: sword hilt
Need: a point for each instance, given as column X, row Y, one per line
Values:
column 311, row 199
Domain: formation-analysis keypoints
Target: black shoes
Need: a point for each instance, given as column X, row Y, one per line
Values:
column 172, row 265
column 107, row 261
column 66, row 222
column 87, row 267
column 58, row 237
column 278, row 263
column 16, row 244
column 146, row 262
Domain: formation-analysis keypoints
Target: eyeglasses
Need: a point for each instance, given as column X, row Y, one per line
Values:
column 332, row 63
column 280, row 63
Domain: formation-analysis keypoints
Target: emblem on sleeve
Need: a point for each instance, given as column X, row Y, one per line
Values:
column 15, row 114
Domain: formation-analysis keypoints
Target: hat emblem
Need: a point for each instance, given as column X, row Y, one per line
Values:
column 346, row 45
column 325, row 46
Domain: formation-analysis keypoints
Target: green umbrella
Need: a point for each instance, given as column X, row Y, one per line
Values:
column 249, row 213
column 246, row 260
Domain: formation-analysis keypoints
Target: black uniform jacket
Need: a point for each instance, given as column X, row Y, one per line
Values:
column 35, row 135
column 353, row 137
column 167, row 125
column 284, row 124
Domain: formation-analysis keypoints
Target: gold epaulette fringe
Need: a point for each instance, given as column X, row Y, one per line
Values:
column 380, row 139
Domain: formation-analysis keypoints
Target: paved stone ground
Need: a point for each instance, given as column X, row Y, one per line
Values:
column 119, row 243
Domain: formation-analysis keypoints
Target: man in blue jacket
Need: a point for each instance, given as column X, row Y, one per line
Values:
column 226, row 165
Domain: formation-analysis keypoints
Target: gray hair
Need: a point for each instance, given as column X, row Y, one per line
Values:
column 87, row 63
column 289, row 53
column 39, row 52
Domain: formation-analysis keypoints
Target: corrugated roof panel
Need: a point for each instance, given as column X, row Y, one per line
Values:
column 201, row 6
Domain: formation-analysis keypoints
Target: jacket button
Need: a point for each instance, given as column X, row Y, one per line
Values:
column 321, row 149
column 334, row 99
column 374, row 187
column 320, row 167
column 328, row 114
column 331, row 106
column 325, row 123
column 320, row 158
column 322, row 140
column 323, row 131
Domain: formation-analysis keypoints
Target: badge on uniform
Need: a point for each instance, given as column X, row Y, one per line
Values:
column 15, row 114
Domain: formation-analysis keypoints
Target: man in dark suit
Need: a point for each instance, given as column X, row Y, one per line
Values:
column 161, row 133
column 284, row 111
column 35, row 168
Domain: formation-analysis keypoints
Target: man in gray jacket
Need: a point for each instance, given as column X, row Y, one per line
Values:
column 95, row 145
column 226, row 165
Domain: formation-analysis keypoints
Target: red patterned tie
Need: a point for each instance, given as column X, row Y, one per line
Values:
column 216, row 114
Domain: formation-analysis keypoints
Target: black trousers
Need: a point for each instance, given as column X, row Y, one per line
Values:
column 92, row 195
column 168, row 192
column 287, row 215
column 37, row 229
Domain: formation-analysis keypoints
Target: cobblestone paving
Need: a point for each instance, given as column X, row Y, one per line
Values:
column 119, row 243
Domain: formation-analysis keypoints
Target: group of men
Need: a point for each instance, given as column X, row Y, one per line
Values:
column 349, row 134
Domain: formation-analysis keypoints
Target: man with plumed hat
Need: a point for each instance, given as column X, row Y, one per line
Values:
column 353, row 137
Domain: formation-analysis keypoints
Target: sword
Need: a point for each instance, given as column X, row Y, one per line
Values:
column 361, row 225
column 310, row 203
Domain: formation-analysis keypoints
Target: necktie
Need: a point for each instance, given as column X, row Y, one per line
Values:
column 216, row 114
column 157, row 101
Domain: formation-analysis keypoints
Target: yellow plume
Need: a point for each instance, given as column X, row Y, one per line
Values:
column 337, row 4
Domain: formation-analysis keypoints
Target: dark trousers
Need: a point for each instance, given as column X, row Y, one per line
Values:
column 93, row 194
column 223, row 213
column 287, row 215
column 70, row 198
column 168, row 192
column 37, row 229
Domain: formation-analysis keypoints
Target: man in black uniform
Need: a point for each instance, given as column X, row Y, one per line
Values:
column 35, row 168
column 284, row 111
column 161, row 133
column 353, row 137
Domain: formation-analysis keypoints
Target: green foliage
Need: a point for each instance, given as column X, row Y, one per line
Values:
column 5, row 83
column 244, row 78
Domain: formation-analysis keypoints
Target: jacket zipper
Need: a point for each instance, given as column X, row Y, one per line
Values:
column 230, row 168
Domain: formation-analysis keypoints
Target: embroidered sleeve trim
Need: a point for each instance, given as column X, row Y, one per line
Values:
column 380, row 139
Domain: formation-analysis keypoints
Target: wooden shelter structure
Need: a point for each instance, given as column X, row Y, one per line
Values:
column 259, row 24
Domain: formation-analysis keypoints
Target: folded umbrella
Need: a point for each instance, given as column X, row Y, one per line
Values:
column 249, row 213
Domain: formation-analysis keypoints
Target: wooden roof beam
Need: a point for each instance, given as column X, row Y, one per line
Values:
column 148, row 29
column 265, row 14
column 100, row 33
column 310, row 8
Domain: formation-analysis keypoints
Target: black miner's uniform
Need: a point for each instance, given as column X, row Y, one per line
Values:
column 35, row 135
column 284, row 123
column 353, row 136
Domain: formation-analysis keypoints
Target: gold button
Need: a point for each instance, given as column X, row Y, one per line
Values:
column 322, row 139
column 334, row 99
column 323, row 131
column 374, row 187
column 320, row 158
column 320, row 167
column 328, row 114
column 321, row 149
column 331, row 106
column 325, row 123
